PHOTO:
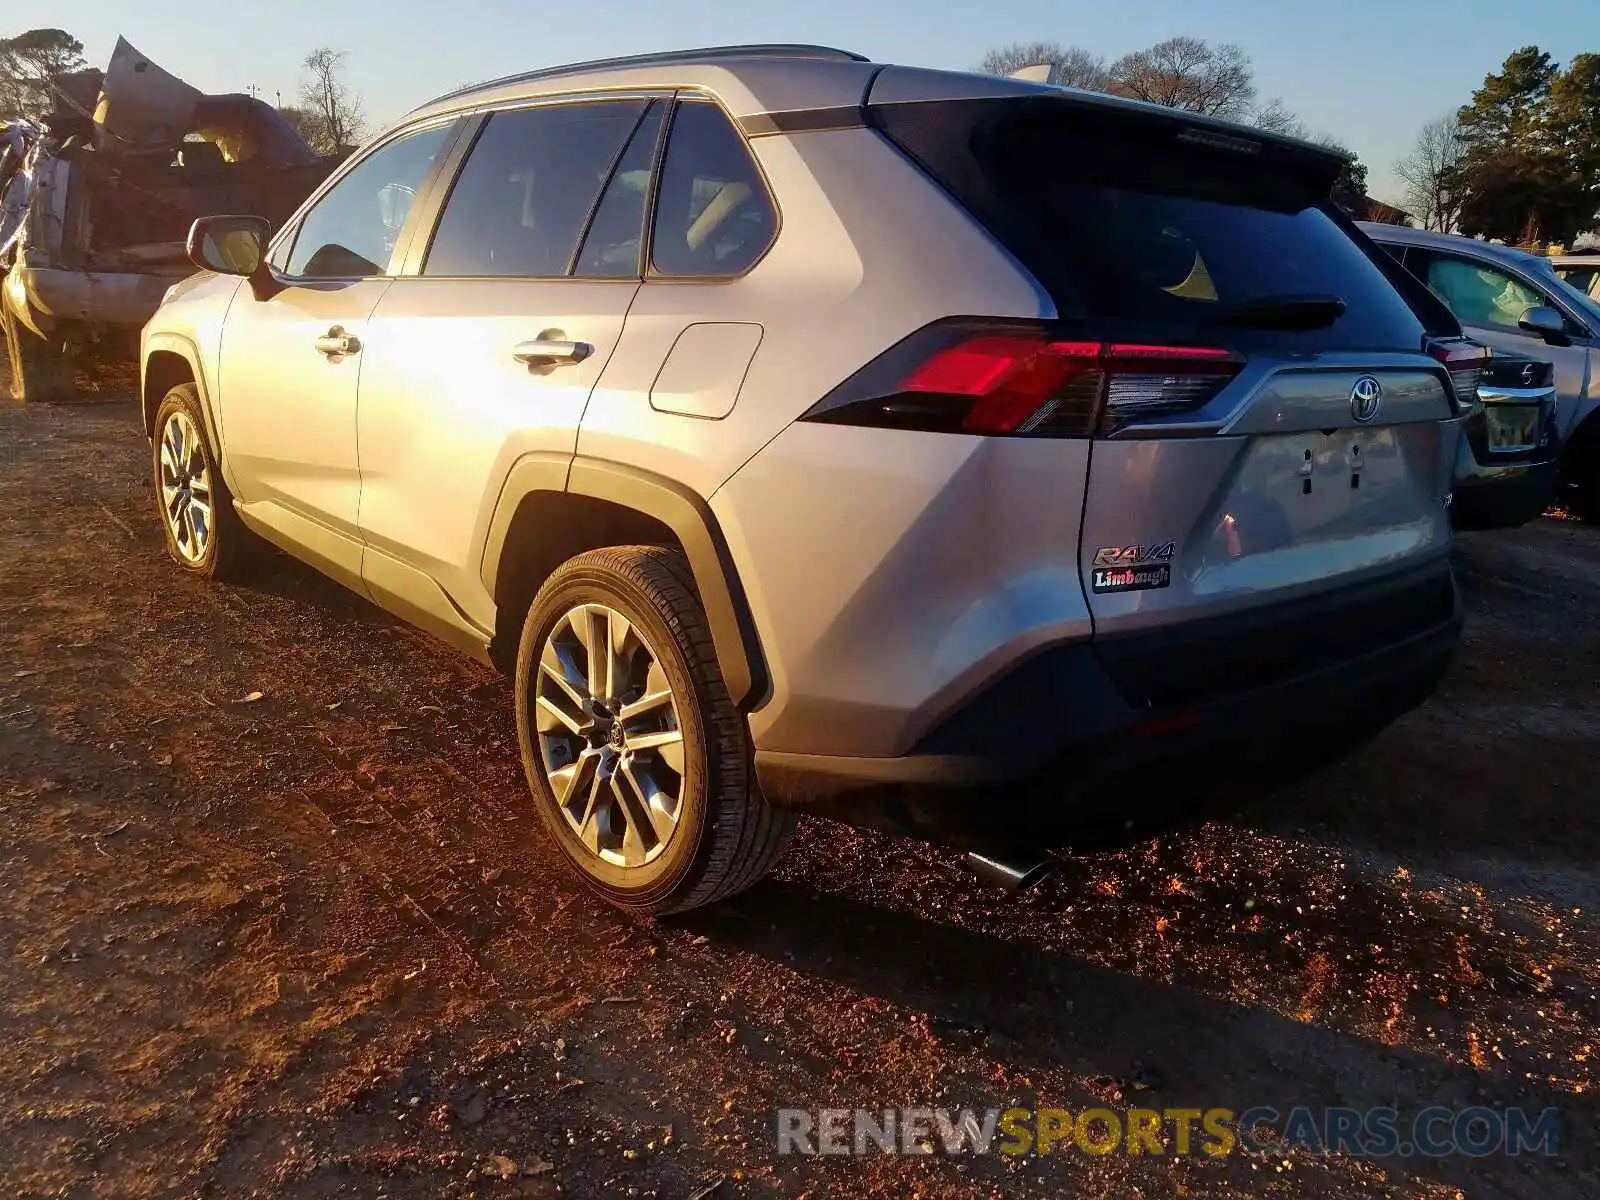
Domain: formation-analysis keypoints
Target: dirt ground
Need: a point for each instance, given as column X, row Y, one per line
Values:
column 275, row 918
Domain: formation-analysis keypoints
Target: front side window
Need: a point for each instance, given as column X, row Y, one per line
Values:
column 528, row 187
column 352, row 230
column 1479, row 294
column 714, row 216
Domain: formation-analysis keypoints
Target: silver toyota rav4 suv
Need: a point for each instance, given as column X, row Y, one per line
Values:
column 989, row 462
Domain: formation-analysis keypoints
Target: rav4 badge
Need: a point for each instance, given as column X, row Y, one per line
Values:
column 1133, row 568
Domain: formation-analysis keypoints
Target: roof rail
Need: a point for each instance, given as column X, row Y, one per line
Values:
column 665, row 58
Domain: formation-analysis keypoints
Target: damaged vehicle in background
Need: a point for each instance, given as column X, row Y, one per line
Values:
column 97, row 197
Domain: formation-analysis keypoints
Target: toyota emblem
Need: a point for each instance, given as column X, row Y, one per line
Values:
column 1366, row 397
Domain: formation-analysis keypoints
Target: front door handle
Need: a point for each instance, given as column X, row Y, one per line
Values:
column 336, row 343
column 551, row 349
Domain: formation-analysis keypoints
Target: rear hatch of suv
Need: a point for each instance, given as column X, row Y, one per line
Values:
column 1273, row 406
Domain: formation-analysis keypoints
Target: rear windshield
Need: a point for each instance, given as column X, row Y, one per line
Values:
column 1130, row 226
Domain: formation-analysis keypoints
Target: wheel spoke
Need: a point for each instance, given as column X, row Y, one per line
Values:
column 596, row 635
column 650, row 800
column 200, row 494
column 634, row 851
column 589, row 823
column 200, row 521
column 574, row 775
column 617, row 651
column 658, row 740
column 647, row 703
column 554, row 667
column 549, row 708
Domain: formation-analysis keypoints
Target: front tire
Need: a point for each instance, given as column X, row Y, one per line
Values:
column 639, row 763
column 203, row 533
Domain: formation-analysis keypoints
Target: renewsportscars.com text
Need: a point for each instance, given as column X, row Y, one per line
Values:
column 1362, row 1133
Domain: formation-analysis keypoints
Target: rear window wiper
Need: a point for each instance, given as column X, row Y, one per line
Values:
column 1283, row 312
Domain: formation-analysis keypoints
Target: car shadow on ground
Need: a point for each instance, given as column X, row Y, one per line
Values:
column 1146, row 1043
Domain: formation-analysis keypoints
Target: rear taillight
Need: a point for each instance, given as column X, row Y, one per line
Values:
column 963, row 378
column 1465, row 361
column 1164, row 379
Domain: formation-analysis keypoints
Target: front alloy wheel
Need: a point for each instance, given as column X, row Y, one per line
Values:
column 609, row 736
column 185, row 487
column 203, row 533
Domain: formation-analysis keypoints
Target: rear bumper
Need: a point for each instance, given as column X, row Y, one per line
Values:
column 1503, row 497
column 1494, row 490
column 1135, row 733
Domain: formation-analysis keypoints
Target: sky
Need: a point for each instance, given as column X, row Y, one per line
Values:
column 1369, row 73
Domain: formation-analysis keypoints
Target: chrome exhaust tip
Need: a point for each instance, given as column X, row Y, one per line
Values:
column 1010, row 875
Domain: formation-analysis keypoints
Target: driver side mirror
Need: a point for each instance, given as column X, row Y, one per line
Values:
column 1548, row 323
column 229, row 245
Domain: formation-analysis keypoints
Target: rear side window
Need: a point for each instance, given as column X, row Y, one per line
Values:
column 352, row 230
column 714, row 216
column 615, row 241
column 531, row 181
column 1132, row 223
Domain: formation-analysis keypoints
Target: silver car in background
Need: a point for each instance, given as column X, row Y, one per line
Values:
column 987, row 461
column 1512, row 300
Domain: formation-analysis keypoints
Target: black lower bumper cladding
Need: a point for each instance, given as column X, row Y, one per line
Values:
column 1102, row 742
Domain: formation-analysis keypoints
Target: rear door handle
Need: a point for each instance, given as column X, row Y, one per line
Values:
column 336, row 343
column 551, row 349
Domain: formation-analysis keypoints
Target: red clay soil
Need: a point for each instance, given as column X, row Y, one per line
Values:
column 276, row 918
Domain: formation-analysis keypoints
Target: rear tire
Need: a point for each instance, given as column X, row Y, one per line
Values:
column 639, row 763
column 203, row 533
column 40, row 374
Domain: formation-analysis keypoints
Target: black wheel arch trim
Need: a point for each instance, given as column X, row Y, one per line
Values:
column 184, row 347
column 682, row 511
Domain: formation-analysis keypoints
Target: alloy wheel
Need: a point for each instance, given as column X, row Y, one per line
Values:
column 186, row 487
column 608, row 735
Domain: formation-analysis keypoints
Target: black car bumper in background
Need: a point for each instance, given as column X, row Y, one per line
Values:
column 1507, row 470
column 1102, row 741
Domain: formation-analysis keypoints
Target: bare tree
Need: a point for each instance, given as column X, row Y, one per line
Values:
column 304, row 123
column 1188, row 73
column 1433, row 174
column 1070, row 66
column 1275, row 117
column 334, row 111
